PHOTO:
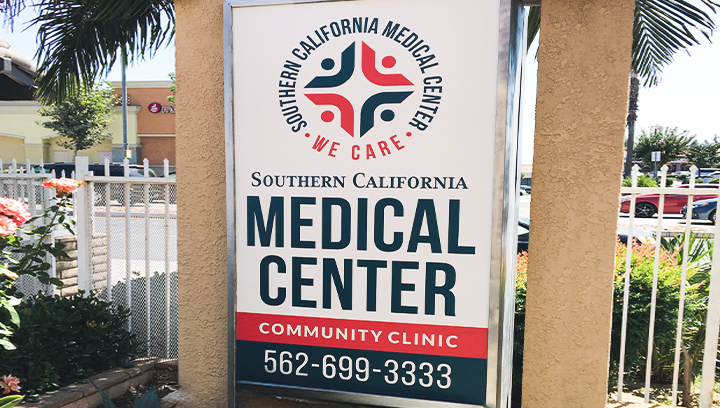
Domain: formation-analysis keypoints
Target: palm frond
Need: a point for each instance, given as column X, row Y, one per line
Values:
column 533, row 25
column 9, row 10
column 81, row 39
column 661, row 28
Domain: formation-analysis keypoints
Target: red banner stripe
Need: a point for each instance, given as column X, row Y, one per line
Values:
column 470, row 342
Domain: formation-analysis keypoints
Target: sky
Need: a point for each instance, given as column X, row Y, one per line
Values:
column 688, row 96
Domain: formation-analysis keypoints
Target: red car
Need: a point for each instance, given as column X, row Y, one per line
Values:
column 646, row 205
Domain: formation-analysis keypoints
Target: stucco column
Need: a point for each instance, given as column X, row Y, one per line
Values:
column 202, row 235
column 584, row 66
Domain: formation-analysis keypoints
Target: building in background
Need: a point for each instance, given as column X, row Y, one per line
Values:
column 154, row 120
column 151, row 120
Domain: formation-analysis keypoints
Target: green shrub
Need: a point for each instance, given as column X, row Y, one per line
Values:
column 641, row 278
column 714, row 181
column 62, row 340
column 668, row 297
column 643, row 180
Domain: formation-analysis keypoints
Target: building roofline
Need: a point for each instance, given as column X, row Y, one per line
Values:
column 143, row 84
column 17, row 67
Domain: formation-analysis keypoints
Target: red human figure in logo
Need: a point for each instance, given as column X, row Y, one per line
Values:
column 347, row 113
column 377, row 78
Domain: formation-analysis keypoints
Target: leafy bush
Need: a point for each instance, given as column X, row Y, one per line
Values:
column 62, row 340
column 670, row 142
column 519, row 331
column 643, row 180
column 641, row 278
column 668, row 297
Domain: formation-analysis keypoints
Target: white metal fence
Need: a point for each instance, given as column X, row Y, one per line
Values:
column 126, row 230
column 21, row 183
column 630, row 302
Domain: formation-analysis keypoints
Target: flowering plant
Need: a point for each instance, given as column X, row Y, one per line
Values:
column 64, row 186
column 9, row 384
column 26, row 253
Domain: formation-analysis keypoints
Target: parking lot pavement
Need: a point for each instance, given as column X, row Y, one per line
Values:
column 671, row 222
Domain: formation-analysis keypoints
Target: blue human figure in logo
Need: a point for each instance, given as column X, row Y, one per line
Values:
column 367, row 113
column 347, row 67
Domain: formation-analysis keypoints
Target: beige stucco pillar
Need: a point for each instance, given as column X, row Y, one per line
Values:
column 200, row 150
column 584, row 65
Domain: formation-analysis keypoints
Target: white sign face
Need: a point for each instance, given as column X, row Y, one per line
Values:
column 365, row 136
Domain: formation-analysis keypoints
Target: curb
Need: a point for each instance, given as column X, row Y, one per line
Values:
column 114, row 382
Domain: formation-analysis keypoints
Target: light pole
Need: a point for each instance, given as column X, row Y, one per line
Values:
column 123, row 57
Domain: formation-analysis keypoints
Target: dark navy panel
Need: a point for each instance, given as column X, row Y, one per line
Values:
column 468, row 376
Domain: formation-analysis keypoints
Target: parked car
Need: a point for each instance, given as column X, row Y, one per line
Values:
column 704, row 172
column 524, row 190
column 706, row 178
column 640, row 235
column 703, row 210
column 646, row 205
column 98, row 169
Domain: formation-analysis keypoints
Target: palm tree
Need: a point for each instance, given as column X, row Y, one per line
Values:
column 82, row 39
column 661, row 28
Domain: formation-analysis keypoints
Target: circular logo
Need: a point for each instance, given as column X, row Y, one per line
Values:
column 155, row 107
column 360, row 88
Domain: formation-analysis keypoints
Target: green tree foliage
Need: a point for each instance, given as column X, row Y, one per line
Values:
column 82, row 120
column 82, row 39
column 661, row 28
column 643, row 181
column 670, row 142
column 704, row 154
column 171, row 98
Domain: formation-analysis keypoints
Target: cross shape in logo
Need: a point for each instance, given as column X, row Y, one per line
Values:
column 372, row 103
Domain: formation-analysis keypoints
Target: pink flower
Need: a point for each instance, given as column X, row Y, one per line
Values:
column 9, row 383
column 64, row 186
column 14, row 209
column 7, row 226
